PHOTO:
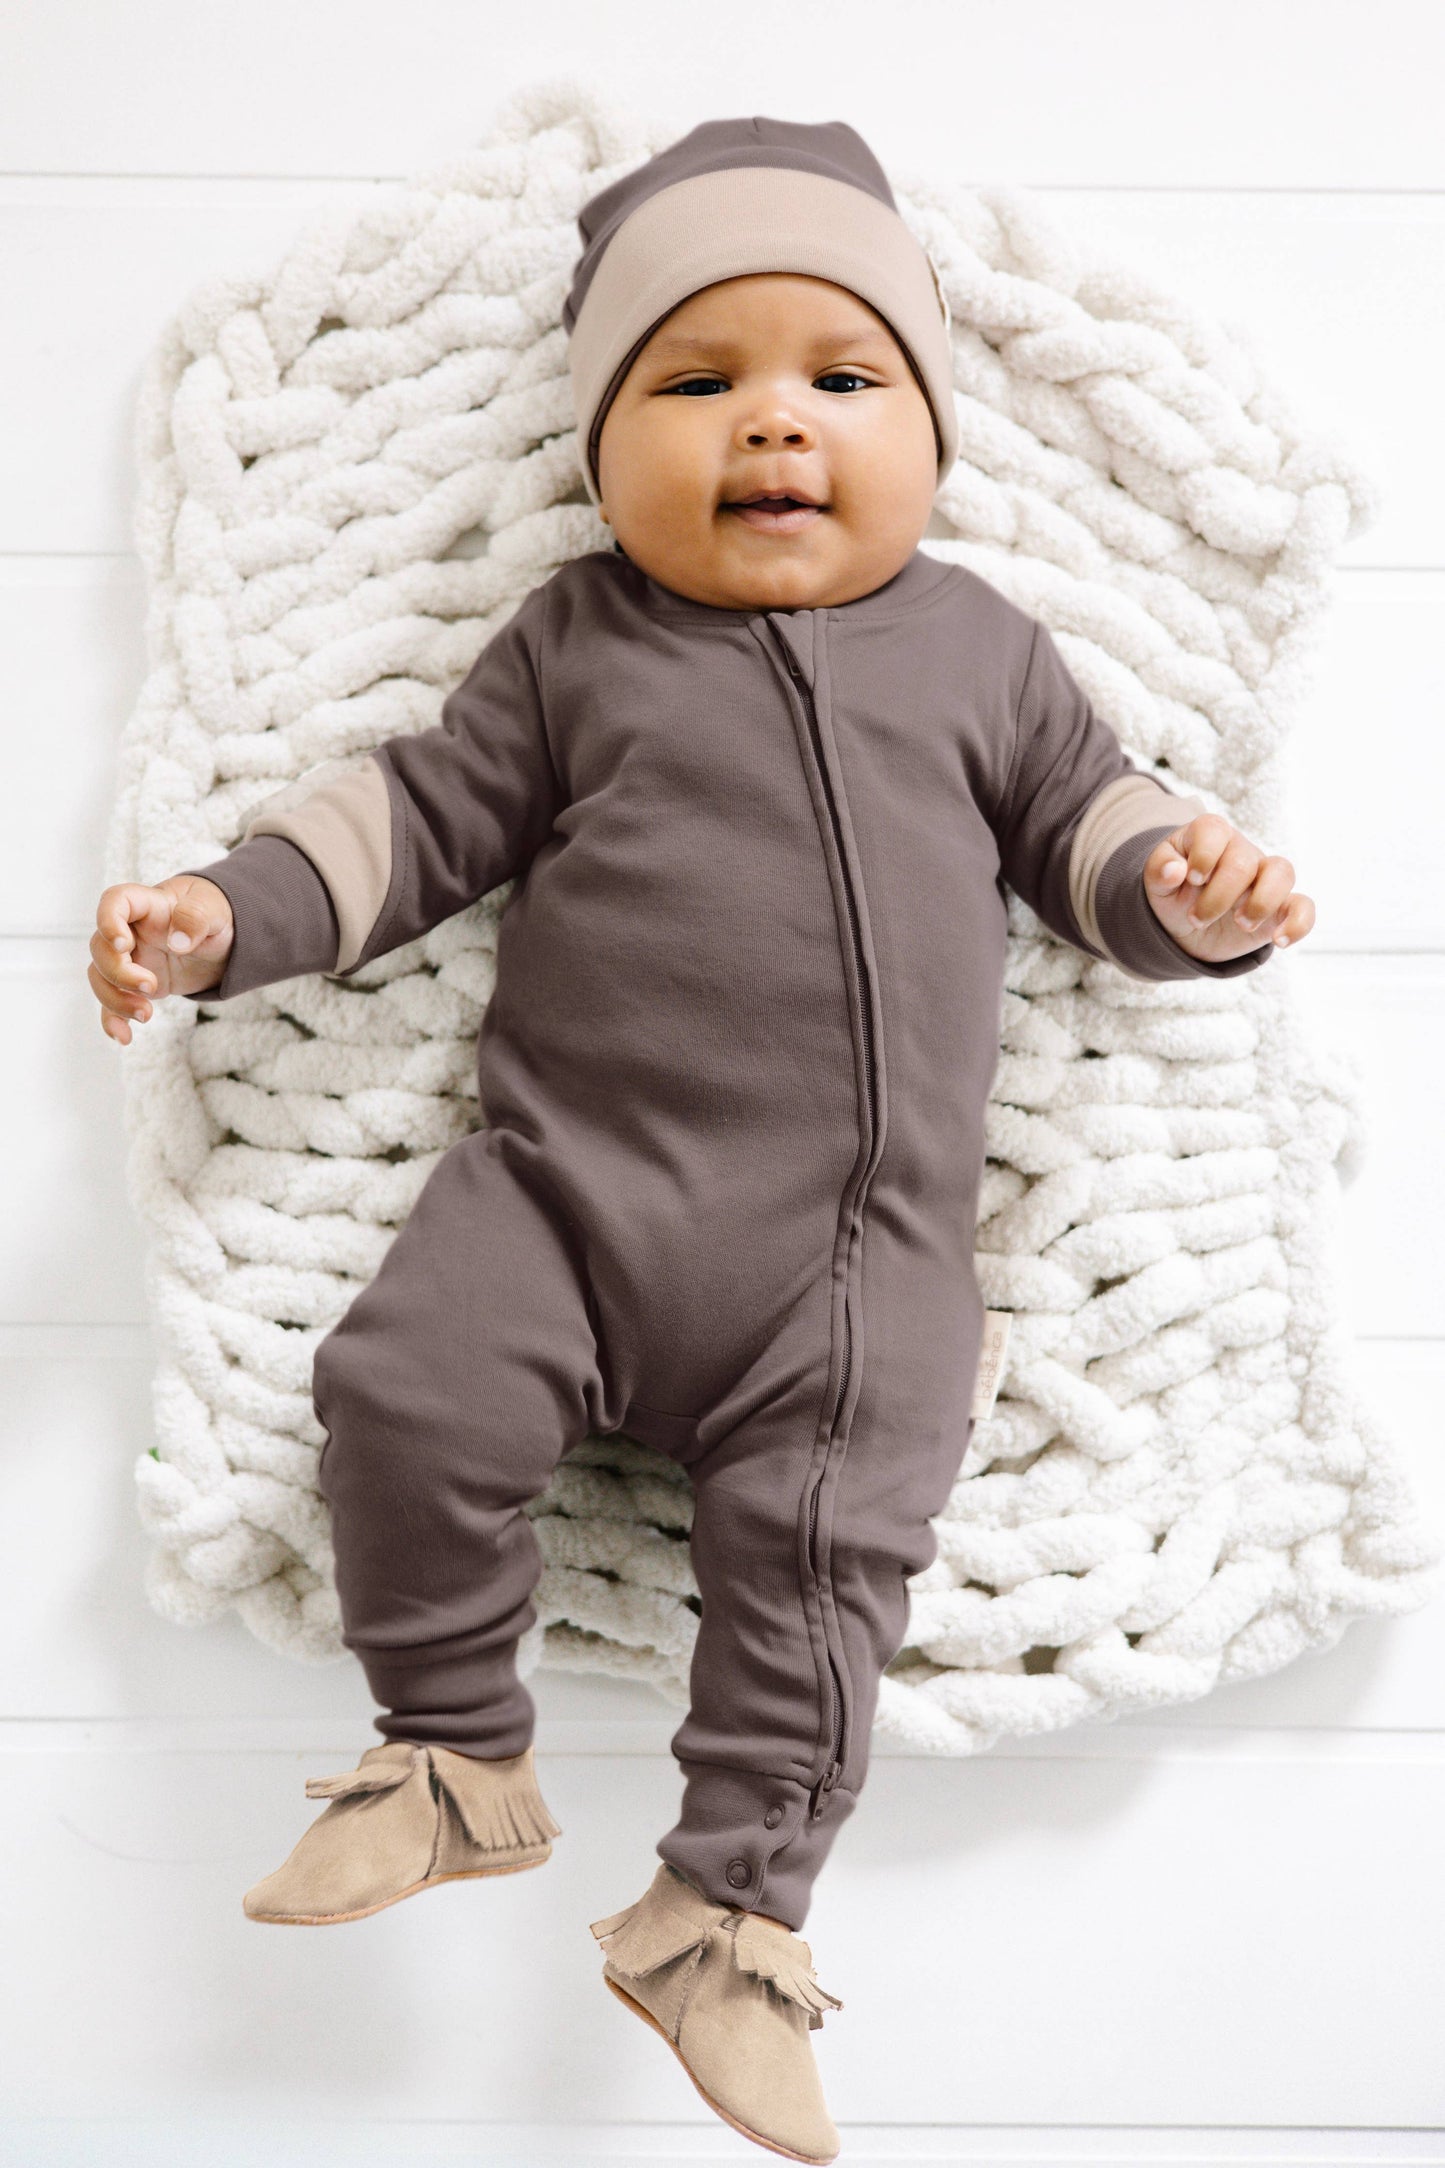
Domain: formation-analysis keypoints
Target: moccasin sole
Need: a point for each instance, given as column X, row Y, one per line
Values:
column 813, row 2160
column 431, row 1881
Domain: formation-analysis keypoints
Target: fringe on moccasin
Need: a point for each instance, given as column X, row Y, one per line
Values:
column 785, row 1962
column 654, row 1931
column 497, row 1802
column 374, row 1777
column 649, row 1932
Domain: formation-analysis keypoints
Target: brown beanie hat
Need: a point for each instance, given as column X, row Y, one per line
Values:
column 737, row 196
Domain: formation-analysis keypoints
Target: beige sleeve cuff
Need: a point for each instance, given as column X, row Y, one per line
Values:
column 340, row 816
column 1122, row 809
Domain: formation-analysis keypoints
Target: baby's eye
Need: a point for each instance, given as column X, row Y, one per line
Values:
column 700, row 384
column 834, row 375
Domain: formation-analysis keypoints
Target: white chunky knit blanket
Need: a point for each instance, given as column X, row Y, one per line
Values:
column 353, row 467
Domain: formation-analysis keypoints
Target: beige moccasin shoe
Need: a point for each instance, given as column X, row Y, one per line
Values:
column 735, row 1998
column 407, row 1817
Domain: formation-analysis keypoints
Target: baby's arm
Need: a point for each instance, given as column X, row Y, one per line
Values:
column 329, row 875
column 1086, row 839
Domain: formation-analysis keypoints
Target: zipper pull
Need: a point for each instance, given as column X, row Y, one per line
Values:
column 788, row 656
column 825, row 1783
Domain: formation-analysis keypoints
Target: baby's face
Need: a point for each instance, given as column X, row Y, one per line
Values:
column 775, row 382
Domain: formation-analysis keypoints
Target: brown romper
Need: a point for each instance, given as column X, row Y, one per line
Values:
column 733, row 1080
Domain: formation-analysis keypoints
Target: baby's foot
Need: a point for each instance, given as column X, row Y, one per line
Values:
column 734, row 1995
column 407, row 1817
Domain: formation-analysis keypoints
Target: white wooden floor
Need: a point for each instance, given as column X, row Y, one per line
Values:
column 1214, row 1939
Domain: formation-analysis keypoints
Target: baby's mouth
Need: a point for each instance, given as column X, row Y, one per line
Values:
column 777, row 514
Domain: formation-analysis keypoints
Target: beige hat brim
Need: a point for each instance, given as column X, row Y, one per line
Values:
column 742, row 219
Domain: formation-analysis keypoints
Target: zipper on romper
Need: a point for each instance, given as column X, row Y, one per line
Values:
column 805, row 694
column 834, row 1767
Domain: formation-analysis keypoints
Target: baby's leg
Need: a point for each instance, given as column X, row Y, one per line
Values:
column 802, row 1548
column 450, row 1390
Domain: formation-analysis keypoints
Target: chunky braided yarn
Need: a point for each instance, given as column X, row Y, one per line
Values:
column 352, row 470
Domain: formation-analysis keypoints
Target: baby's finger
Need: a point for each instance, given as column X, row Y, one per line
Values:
column 1267, row 893
column 127, row 906
column 192, row 917
column 121, row 970
column 1200, row 842
column 1233, row 871
column 1299, row 916
column 1165, row 867
column 116, row 1000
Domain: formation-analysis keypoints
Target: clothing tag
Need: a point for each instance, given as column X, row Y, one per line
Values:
column 996, row 1325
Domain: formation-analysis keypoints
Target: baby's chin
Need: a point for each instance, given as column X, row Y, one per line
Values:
column 733, row 566
column 794, row 584
column 810, row 570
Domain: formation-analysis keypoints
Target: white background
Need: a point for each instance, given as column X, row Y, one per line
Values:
column 1215, row 1937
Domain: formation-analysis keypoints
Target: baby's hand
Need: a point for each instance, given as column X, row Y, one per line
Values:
column 1218, row 895
column 172, row 939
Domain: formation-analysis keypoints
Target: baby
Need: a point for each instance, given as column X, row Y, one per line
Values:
column 760, row 771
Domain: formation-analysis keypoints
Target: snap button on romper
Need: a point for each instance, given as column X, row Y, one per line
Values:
column 733, row 1080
